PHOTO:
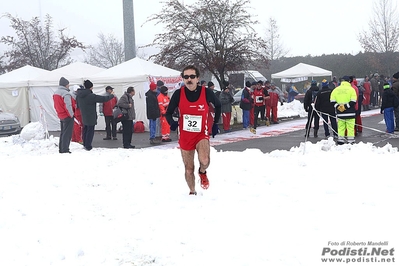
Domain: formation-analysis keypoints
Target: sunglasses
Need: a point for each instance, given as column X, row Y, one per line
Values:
column 189, row 76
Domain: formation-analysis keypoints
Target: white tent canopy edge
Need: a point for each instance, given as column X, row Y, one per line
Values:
column 302, row 70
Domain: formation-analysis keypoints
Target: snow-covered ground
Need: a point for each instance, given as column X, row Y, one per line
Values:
column 131, row 207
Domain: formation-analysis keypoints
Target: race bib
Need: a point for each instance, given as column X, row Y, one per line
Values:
column 259, row 99
column 192, row 123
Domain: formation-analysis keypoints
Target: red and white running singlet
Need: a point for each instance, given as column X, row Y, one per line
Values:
column 193, row 120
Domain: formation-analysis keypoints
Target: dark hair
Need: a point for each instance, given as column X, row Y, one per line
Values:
column 130, row 89
column 164, row 89
column 197, row 73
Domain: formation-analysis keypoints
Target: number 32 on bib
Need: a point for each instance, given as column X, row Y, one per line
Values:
column 192, row 123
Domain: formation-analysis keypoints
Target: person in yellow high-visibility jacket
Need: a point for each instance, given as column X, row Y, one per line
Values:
column 344, row 99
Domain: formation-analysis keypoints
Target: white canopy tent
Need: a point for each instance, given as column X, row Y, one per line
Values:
column 14, row 91
column 302, row 70
column 42, row 88
column 137, row 73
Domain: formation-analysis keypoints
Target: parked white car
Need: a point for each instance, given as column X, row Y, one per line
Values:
column 9, row 124
column 237, row 97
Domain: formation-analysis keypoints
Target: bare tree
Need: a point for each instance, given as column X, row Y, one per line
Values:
column 108, row 53
column 275, row 49
column 383, row 33
column 37, row 45
column 2, row 65
column 215, row 35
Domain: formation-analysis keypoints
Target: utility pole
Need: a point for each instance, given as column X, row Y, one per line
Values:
column 128, row 29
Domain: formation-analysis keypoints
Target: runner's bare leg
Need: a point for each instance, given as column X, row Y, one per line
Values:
column 188, row 160
column 203, row 150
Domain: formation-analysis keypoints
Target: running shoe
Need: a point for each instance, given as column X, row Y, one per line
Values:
column 204, row 180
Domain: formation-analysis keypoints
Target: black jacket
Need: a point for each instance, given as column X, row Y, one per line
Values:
column 87, row 103
column 152, row 105
column 323, row 103
column 246, row 100
column 389, row 99
column 310, row 97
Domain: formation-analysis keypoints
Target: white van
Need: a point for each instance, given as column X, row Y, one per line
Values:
column 238, row 78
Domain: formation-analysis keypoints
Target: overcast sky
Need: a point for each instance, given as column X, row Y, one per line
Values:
column 306, row 27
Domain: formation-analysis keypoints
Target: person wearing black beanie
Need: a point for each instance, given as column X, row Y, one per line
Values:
column 87, row 103
column 88, row 84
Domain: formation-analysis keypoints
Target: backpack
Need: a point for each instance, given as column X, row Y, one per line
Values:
column 314, row 94
column 119, row 114
column 138, row 127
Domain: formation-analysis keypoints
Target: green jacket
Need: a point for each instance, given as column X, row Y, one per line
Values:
column 345, row 95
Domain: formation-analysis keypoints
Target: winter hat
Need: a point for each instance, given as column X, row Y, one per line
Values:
column 386, row 85
column 346, row 78
column 254, row 83
column 63, row 82
column 164, row 89
column 226, row 83
column 210, row 84
column 248, row 83
column 324, row 83
column 153, row 86
column 396, row 75
column 109, row 88
column 160, row 83
column 314, row 82
column 88, row 84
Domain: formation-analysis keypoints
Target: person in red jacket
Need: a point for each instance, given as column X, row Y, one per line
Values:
column 276, row 96
column 358, row 118
column 106, row 109
column 366, row 94
column 163, row 102
column 78, row 124
column 260, row 95
column 63, row 106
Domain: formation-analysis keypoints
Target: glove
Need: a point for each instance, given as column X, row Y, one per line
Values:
column 281, row 103
column 101, row 114
column 215, row 130
column 174, row 125
column 341, row 108
column 382, row 111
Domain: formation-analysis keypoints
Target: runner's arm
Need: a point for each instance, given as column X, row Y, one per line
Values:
column 211, row 98
column 173, row 104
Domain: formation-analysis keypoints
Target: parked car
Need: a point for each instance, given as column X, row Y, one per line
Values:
column 237, row 97
column 9, row 124
column 300, row 97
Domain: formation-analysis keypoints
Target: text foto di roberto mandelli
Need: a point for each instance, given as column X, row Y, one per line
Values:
column 354, row 243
